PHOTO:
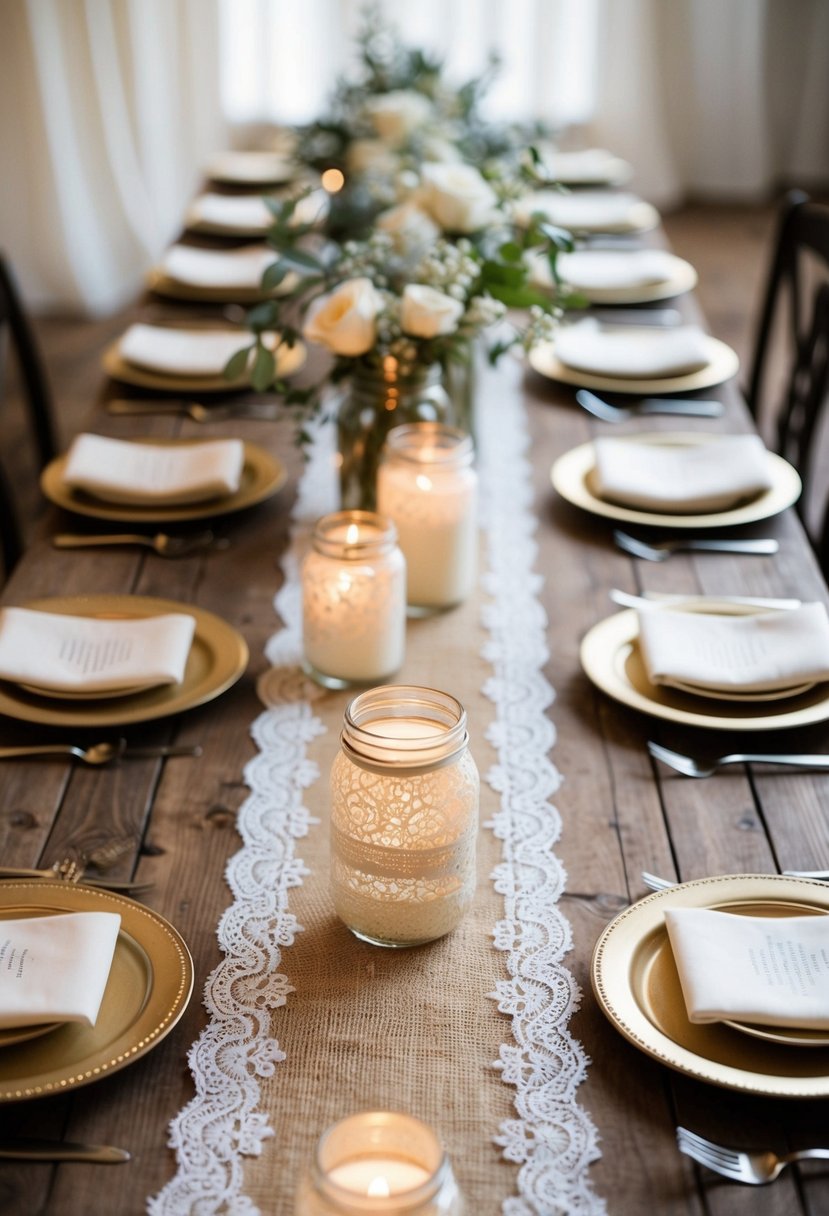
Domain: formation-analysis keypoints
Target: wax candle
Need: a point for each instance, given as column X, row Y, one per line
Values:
column 404, row 816
column 379, row 1161
column 427, row 486
column 353, row 600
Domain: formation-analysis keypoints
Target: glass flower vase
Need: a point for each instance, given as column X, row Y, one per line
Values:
column 373, row 401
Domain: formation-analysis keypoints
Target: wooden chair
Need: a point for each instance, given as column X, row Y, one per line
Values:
column 15, row 325
column 798, row 292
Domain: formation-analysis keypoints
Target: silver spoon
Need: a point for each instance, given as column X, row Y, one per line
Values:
column 99, row 753
column 660, row 551
column 264, row 410
column 161, row 543
column 648, row 405
column 62, row 1150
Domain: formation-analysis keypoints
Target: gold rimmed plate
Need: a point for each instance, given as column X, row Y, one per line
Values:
column 176, row 289
column 722, row 364
column 149, row 986
column 289, row 359
column 636, row 984
column 683, row 277
column 262, row 477
column 218, row 657
column 612, row 659
column 573, row 476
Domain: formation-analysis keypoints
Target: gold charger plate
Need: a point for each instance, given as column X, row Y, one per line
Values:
column 217, row 659
column 148, row 990
column 641, row 217
column 683, row 278
column 723, row 363
column 262, row 477
column 573, row 475
column 162, row 284
column 612, row 660
column 255, row 168
column 636, row 984
column 289, row 361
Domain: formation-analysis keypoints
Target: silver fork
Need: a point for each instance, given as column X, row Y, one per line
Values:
column 648, row 405
column 161, row 543
column 654, row 883
column 660, row 551
column 691, row 766
column 755, row 1169
column 263, row 410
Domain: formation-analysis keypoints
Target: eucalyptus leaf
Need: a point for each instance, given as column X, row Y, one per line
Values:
column 299, row 257
column 235, row 367
column 520, row 297
column 262, row 316
column 511, row 251
column 274, row 275
column 264, row 369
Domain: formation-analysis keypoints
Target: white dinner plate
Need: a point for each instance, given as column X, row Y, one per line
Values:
column 612, row 660
column 636, row 984
column 573, row 476
column 683, row 277
column 722, row 364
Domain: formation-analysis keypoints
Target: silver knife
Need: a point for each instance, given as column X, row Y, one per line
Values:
column 58, row 1150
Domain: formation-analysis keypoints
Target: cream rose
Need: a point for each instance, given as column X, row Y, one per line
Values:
column 456, row 196
column 410, row 228
column 395, row 115
column 344, row 320
column 426, row 312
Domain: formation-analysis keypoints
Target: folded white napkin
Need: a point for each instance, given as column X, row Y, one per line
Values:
column 700, row 478
column 235, row 268
column 585, row 165
column 118, row 470
column 756, row 653
column 182, row 352
column 245, row 213
column 614, row 268
column 253, row 166
column 630, row 351
column 55, row 968
column 93, row 654
column 586, row 210
column 770, row 970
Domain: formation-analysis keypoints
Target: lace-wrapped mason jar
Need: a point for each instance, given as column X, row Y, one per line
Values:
column 353, row 600
column 404, row 816
column 379, row 1162
column 427, row 486
column 372, row 402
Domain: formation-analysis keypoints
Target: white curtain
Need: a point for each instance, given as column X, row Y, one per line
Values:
column 715, row 98
column 108, row 110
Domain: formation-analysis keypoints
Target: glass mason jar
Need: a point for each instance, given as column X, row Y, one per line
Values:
column 353, row 600
column 427, row 487
column 460, row 381
column 373, row 401
column 379, row 1162
column 404, row 816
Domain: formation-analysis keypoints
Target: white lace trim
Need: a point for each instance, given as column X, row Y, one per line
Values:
column 553, row 1139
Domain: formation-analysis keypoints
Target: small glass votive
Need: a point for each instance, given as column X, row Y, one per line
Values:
column 353, row 600
column 379, row 1162
column 426, row 484
column 404, row 816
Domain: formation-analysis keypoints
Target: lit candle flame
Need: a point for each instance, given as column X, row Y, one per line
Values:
column 379, row 1187
column 352, row 534
column 332, row 180
column 423, row 482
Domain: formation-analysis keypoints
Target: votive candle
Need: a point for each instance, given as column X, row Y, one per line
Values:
column 353, row 600
column 426, row 484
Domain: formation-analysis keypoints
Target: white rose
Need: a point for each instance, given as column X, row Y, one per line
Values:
column 427, row 312
column 371, row 156
column 439, row 148
column 457, row 197
column 410, row 228
column 344, row 320
column 395, row 115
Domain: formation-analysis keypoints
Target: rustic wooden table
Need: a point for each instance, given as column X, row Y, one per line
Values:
column 621, row 813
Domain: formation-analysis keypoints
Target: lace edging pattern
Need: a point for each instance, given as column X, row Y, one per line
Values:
column 553, row 1138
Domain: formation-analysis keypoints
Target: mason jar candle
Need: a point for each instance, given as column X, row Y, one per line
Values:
column 427, row 485
column 404, row 816
column 353, row 600
column 379, row 1162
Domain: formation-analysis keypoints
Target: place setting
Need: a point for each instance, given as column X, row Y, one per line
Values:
column 191, row 359
column 255, row 167
column 161, row 481
column 94, row 981
column 619, row 276
column 248, row 215
column 722, row 978
column 108, row 660
column 216, row 276
column 584, row 167
column 590, row 211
